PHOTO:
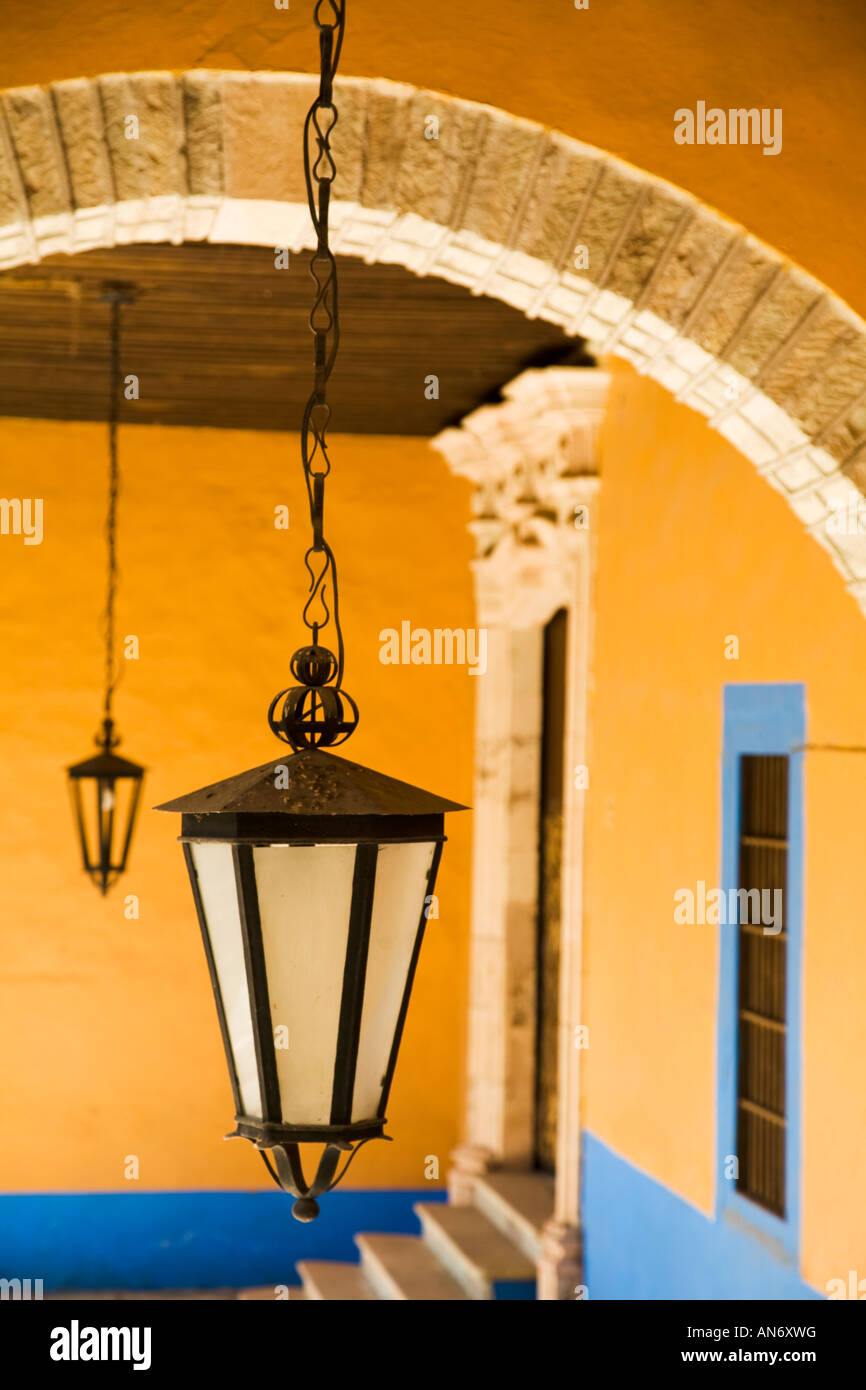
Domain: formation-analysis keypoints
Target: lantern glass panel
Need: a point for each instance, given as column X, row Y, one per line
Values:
column 402, row 875
column 214, row 865
column 105, row 808
column 305, row 902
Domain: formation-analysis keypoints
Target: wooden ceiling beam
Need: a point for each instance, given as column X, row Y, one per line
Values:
column 218, row 337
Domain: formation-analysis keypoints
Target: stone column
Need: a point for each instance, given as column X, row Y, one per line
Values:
column 533, row 462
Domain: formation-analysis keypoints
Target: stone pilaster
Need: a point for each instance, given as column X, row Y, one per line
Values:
column 533, row 463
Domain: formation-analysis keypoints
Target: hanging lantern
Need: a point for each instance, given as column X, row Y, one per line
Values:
column 105, row 787
column 312, row 877
column 106, row 791
column 312, row 891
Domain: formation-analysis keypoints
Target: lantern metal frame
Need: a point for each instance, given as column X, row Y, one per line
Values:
column 328, row 801
column 270, row 1132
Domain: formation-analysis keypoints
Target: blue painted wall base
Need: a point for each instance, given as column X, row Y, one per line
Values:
column 643, row 1241
column 186, row 1240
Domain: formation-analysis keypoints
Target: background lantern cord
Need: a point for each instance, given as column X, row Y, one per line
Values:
column 116, row 296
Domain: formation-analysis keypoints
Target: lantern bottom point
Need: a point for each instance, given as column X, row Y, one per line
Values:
column 305, row 1209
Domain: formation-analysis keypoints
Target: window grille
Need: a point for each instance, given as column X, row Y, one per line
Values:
column 762, row 1016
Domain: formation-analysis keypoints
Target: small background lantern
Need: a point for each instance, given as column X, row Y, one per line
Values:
column 106, row 790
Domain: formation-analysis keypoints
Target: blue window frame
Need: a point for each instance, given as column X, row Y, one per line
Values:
column 761, row 720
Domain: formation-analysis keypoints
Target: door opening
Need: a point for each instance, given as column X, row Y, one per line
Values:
column 549, row 888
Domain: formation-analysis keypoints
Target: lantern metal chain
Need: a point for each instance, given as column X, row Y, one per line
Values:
column 324, row 320
column 318, row 712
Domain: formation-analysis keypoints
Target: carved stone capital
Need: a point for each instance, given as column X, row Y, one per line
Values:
column 531, row 456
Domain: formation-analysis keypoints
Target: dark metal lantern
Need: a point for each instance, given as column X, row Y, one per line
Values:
column 312, row 877
column 106, row 790
column 311, row 880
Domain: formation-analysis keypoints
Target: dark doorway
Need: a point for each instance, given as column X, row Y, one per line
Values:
column 549, row 888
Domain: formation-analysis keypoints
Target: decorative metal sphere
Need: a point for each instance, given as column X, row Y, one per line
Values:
column 313, row 714
column 314, row 665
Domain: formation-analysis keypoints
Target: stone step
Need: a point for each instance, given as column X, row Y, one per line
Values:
column 402, row 1267
column 328, row 1280
column 519, row 1205
column 483, row 1261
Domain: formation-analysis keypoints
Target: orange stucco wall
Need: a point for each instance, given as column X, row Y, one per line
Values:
column 694, row 548
column 108, row 1031
column 613, row 75
column 107, row 1028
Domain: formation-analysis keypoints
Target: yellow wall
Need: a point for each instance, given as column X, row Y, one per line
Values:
column 612, row 75
column 694, row 547
column 108, row 1031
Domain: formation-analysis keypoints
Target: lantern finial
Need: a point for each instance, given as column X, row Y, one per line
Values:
column 313, row 714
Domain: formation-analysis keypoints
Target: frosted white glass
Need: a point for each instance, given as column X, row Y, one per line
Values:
column 216, row 881
column 305, row 900
column 401, row 884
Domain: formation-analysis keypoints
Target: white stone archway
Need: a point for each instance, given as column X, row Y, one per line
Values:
column 770, row 356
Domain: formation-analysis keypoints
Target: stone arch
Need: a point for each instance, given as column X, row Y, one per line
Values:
column 769, row 355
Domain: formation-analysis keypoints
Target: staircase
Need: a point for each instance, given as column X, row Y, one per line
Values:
column 484, row 1251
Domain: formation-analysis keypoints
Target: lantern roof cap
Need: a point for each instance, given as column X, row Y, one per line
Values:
column 319, row 784
column 105, row 764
